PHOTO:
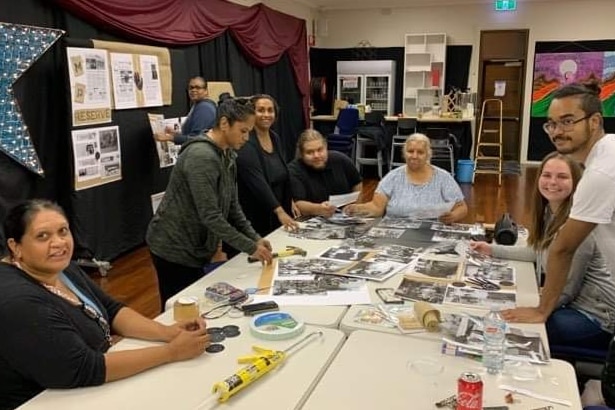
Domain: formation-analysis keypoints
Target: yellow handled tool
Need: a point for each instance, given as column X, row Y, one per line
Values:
column 288, row 251
column 259, row 364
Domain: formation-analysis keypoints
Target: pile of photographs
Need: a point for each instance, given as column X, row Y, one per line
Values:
column 339, row 226
column 445, row 278
column 338, row 275
column 463, row 336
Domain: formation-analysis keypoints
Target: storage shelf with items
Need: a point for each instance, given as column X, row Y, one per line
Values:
column 424, row 66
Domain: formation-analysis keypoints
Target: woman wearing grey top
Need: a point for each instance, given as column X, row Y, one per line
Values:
column 417, row 189
column 585, row 317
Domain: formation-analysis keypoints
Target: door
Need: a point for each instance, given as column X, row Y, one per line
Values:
column 350, row 88
column 504, row 80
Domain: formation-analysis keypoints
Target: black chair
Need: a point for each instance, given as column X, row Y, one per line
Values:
column 588, row 363
column 343, row 137
column 371, row 138
column 405, row 128
column 444, row 145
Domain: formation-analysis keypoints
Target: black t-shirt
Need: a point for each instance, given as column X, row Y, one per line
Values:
column 316, row 185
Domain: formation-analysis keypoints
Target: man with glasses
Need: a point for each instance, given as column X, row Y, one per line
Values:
column 575, row 127
column 201, row 117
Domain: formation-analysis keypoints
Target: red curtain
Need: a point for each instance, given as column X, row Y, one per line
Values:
column 262, row 33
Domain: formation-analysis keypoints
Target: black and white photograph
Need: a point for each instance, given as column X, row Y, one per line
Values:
column 309, row 267
column 395, row 253
column 334, row 232
column 399, row 223
column 109, row 140
column 416, row 289
column 444, row 236
column 297, row 288
column 495, row 273
column 374, row 270
column 479, row 298
column 321, row 285
column 340, row 218
column 459, row 228
column 467, row 330
column 436, row 269
column 345, row 253
column 385, row 233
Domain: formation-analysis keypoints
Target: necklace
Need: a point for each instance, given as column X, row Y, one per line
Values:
column 59, row 292
column 88, row 310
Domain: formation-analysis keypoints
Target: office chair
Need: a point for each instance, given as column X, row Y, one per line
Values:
column 343, row 137
column 588, row 363
column 405, row 128
column 371, row 138
column 443, row 145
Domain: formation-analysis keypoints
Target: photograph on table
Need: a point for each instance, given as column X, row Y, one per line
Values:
column 373, row 270
column 435, row 268
column 463, row 335
column 335, row 232
column 469, row 296
column 308, row 267
column 387, row 233
column 320, row 285
column 340, row 218
column 395, row 253
column 416, row 289
column 345, row 253
column 399, row 223
column 475, row 229
column 450, row 236
column 501, row 274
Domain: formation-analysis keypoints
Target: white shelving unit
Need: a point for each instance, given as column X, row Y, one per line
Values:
column 425, row 55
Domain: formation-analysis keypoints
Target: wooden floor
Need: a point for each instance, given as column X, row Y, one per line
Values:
column 132, row 280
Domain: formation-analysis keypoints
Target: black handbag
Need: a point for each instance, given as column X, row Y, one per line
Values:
column 505, row 232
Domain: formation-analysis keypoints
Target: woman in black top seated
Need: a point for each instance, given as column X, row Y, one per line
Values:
column 262, row 176
column 57, row 324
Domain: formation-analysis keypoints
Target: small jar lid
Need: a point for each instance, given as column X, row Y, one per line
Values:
column 187, row 300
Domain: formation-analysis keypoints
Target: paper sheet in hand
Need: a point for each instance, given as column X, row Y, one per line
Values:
column 345, row 199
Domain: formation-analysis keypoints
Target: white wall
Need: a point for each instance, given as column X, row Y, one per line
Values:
column 566, row 20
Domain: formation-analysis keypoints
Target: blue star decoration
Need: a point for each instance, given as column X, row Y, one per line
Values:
column 20, row 47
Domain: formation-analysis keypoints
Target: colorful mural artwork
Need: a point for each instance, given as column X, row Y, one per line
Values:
column 553, row 70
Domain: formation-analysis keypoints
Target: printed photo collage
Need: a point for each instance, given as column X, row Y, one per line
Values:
column 339, row 268
column 447, row 279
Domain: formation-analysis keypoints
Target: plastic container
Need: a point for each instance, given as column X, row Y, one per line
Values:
column 465, row 171
column 494, row 336
column 186, row 308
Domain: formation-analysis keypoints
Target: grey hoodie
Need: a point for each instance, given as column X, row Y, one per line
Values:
column 200, row 208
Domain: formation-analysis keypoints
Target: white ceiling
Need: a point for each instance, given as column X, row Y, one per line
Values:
column 385, row 4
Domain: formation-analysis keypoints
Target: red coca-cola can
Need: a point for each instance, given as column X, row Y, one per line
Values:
column 469, row 392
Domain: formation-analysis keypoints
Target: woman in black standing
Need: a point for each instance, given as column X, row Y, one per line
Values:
column 263, row 179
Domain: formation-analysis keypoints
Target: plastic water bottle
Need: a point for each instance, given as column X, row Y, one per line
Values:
column 494, row 335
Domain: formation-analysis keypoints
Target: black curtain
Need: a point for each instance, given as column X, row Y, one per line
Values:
column 323, row 63
column 539, row 144
column 111, row 219
column 457, row 67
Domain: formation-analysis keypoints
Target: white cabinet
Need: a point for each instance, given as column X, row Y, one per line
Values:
column 424, row 69
column 368, row 83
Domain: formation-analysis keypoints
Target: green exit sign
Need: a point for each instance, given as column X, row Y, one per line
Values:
column 505, row 5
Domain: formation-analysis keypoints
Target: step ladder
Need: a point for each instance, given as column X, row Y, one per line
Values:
column 488, row 157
